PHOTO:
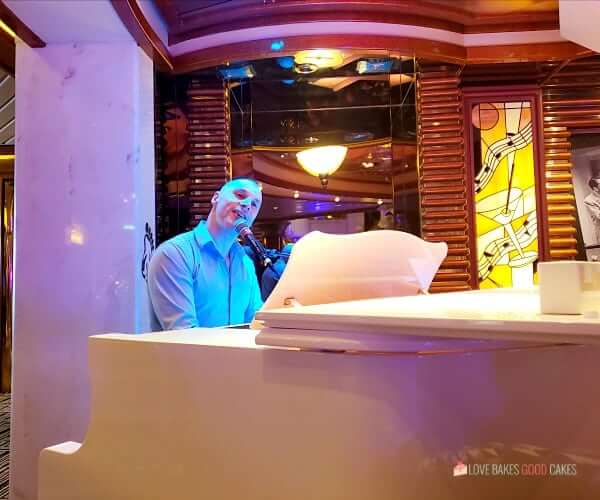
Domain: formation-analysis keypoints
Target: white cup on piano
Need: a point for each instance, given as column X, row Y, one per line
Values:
column 570, row 287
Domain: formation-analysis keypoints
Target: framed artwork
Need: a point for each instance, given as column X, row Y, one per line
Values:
column 586, row 184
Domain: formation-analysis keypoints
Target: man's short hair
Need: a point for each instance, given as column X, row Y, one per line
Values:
column 594, row 183
column 247, row 179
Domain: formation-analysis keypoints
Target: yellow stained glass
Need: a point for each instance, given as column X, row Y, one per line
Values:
column 505, row 204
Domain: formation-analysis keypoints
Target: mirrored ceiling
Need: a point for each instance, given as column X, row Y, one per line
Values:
column 361, row 101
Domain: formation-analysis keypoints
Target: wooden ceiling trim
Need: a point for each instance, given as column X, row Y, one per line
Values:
column 258, row 49
column 507, row 27
column 399, row 46
column 553, row 51
column 134, row 20
column 188, row 19
column 248, row 23
column 19, row 27
column 7, row 53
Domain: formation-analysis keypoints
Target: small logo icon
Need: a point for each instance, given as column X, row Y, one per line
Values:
column 460, row 469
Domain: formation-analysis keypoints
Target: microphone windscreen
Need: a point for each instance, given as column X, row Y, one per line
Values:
column 240, row 225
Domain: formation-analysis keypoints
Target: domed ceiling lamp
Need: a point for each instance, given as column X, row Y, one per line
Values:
column 323, row 161
column 309, row 61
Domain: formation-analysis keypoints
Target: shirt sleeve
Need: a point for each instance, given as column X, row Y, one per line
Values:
column 255, row 302
column 171, row 288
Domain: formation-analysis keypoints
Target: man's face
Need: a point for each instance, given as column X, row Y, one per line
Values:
column 289, row 235
column 238, row 198
column 175, row 131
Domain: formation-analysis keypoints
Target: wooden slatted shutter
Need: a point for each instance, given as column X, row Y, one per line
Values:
column 442, row 176
column 209, row 144
column 571, row 99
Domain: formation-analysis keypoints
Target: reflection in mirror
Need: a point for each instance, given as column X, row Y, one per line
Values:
column 367, row 104
column 279, row 107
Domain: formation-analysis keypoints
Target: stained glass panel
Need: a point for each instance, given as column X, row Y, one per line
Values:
column 505, row 202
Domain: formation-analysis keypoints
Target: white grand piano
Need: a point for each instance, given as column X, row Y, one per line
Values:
column 357, row 386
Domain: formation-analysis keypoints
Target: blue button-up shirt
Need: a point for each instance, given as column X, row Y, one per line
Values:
column 190, row 284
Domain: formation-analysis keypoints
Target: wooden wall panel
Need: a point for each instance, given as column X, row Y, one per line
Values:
column 209, row 144
column 571, row 100
column 442, row 177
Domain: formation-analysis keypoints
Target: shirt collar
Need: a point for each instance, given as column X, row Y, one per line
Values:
column 203, row 238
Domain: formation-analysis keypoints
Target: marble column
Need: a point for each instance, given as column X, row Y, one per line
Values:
column 84, row 225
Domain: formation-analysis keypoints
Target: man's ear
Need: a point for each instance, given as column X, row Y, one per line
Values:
column 215, row 198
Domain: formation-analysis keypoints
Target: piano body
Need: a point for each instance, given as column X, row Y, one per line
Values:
column 467, row 395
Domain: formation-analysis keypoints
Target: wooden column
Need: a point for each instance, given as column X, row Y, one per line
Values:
column 442, row 176
column 571, row 100
column 209, row 144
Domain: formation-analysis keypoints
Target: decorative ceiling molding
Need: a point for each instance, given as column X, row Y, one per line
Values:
column 188, row 19
column 8, row 17
column 284, row 31
column 142, row 32
column 204, row 34
column 7, row 53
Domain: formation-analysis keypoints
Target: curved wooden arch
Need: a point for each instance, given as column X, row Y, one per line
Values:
column 134, row 20
column 432, row 50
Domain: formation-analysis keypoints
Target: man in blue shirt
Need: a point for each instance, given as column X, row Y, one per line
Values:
column 203, row 277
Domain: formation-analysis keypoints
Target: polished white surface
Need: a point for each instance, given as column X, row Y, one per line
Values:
column 502, row 314
column 84, row 174
column 205, row 414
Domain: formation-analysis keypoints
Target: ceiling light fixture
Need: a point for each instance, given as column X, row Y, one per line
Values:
column 321, row 58
column 323, row 161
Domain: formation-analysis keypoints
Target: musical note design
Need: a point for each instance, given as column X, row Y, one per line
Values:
column 498, row 151
column 500, row 248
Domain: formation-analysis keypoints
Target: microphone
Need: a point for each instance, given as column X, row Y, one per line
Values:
column 243, row 230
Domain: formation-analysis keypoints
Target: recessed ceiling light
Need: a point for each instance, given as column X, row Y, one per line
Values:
column 277, row 45
column 275, row 207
